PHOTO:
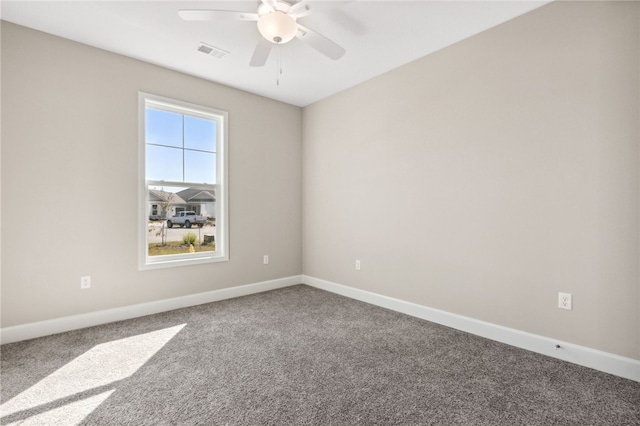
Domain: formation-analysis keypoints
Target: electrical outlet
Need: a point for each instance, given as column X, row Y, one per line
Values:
column 85, row 282
column 265, row 259
column 564, row 301
column 357, row 265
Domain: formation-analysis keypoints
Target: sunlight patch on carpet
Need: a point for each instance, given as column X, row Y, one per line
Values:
column 70, row 414
column 102, row 365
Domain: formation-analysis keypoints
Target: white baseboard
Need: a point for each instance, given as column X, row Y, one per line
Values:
column 603, row 361
column 59, row 325
column 581, row 355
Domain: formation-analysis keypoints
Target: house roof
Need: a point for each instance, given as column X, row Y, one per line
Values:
column 157, row 195
column 192, row 195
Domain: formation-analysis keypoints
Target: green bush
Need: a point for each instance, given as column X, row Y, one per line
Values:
column 189, row 238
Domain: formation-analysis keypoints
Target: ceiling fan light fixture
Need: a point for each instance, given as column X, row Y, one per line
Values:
column 277, row 27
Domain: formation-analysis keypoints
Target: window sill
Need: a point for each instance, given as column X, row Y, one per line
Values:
column 171, row 261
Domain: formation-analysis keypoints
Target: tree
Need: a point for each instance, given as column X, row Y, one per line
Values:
column 164, row 207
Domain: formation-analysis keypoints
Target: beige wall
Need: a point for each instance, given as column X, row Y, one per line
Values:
column 489, row 176
column 69, row 181
column 480, row 180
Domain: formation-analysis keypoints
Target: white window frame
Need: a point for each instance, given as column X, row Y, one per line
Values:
column 221, row 253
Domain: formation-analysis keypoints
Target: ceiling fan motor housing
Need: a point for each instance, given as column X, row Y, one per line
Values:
column 276, row 25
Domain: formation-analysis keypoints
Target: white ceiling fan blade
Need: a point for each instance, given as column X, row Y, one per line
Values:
column 320, row 43
column 210, row 15
column 298, row 10
column 271, row 5
column 261, row 53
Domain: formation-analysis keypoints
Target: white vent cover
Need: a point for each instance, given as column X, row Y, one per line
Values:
column 212, row 51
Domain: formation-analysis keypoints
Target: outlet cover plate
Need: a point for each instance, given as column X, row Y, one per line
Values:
column 565, row 301
column 85, row 282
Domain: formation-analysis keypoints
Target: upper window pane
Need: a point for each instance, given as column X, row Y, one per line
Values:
column 180, row 147
column 164, row 163
column 199, row 167
column 199, row 133
column 163, row 127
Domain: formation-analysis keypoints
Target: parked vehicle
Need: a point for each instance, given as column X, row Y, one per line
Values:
column 186, row 219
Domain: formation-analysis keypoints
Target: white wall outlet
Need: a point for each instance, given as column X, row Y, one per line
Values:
column 85, row 282
column 265, row 259
column 564, row 301
column 357, row 265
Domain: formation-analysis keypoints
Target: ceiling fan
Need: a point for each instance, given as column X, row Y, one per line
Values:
column 277, row 23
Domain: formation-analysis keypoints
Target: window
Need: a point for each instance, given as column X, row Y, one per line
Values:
column 183, row 183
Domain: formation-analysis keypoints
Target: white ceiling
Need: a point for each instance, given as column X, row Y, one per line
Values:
column 378, row 36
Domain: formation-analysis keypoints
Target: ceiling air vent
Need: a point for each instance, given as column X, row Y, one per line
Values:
column 212, row 51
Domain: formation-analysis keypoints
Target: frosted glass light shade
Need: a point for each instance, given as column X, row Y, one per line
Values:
column 277, row 27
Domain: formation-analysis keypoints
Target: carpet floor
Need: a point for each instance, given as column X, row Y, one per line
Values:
column 299, row 356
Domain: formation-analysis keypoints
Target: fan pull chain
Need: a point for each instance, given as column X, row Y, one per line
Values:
column 279, row 64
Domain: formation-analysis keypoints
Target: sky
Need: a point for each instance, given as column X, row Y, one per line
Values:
column 180, row 148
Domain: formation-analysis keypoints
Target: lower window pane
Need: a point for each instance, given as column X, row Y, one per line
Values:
column 181, row 220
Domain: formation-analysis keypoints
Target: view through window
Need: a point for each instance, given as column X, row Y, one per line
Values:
column 184, row 188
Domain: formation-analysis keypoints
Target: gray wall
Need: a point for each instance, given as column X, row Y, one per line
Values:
column 69, row 181
column 489, row 176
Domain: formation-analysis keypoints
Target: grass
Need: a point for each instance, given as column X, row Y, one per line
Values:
column 176, row 247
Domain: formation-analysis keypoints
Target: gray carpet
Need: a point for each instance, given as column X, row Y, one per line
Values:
column 298, row 356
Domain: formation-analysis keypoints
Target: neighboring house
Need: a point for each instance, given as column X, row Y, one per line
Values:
column 163, row 204
column 203, row 202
